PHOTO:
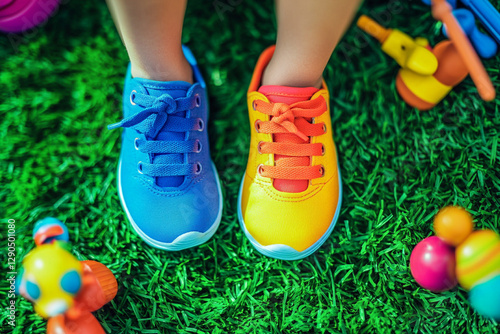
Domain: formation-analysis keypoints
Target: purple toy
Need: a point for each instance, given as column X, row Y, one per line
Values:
column 432, row 264
column 22, row 15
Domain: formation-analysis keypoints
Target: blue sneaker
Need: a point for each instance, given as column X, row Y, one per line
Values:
column 168, row 185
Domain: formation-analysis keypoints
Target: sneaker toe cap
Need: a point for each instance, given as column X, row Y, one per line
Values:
column 166, row 216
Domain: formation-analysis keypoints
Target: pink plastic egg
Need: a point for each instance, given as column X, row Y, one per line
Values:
column 432, row 264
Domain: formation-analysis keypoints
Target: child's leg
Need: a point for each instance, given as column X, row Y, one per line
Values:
column 291, row 194
column 308, row 31
column 167, row 183
column 151, row 31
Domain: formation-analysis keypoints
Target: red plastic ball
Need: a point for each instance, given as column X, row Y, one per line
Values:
column 432, row 264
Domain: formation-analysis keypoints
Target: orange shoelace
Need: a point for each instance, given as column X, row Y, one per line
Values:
column 292, row 119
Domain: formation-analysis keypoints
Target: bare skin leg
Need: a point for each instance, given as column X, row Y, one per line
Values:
column 308, row 32
column 151, row 31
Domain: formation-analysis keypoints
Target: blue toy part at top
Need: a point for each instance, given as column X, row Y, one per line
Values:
column 485, row 45
column 49, row 230
column 453, row 3
column 487, row 14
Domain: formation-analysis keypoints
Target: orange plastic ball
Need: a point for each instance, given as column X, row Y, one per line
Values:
column 453, row 224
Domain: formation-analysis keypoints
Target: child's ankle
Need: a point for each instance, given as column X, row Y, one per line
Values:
column 179, row 70
column 278, row 75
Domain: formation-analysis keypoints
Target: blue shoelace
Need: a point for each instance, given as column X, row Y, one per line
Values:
column 164, row 107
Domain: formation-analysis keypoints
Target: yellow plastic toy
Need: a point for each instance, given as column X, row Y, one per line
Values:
column 409, row 53
column 42, row 267
column 63, row 289
column 427, row 75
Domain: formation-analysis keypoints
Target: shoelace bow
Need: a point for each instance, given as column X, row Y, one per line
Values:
column 165, row 108
column 291, row 119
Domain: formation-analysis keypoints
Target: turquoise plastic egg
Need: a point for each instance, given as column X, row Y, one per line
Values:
column 485, row 298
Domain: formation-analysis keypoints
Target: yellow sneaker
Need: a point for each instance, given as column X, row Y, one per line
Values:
column 290, row 196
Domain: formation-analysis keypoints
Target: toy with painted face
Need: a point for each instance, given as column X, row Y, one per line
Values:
column 62, row 288
column 51, row 278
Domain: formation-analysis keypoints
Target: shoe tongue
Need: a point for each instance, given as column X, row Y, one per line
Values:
column 175, row 89
column 289, row 95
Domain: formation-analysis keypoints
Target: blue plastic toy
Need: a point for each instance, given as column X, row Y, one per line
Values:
column 487, row 14
column 453, row 3
column 49, row 230
column 485, row 45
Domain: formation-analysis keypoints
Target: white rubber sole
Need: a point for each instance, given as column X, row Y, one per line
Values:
column 284, row 252
column 184, row 241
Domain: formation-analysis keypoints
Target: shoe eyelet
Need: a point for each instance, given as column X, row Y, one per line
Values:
column 201, row 125
column 324, row 128
column 132, row 97
column 257, row 125
column 322, row 170
column 198, row 169
column 323, row 149
column 139, row 167
column 197, row 100
column 260, row 169
column 259, row 147
column 254, row 105
column 136, row 144
column 198, row 146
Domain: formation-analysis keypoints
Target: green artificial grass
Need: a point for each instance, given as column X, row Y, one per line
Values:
column 60, row 86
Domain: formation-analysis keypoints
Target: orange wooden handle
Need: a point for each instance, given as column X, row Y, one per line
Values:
column 441, row 11
column 373, row 29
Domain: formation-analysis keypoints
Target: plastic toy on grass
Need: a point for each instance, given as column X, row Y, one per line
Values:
column 409, row 53
column 21, row 15
column 442, row 11
column 476, row 259
column 485, row 298
column 63, row 289
column 432, row 264
column 453, row 224
column 485, row 12
column 427, row 75
column 420, row 82
column 485, row 46
column 48, row 230
column 453, row 3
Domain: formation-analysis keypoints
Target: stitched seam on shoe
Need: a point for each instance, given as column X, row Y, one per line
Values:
column 290, row 200
column 161, row 87
column 281, row 198
column 290, row 95
column 265, row 185
column 177, row 192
